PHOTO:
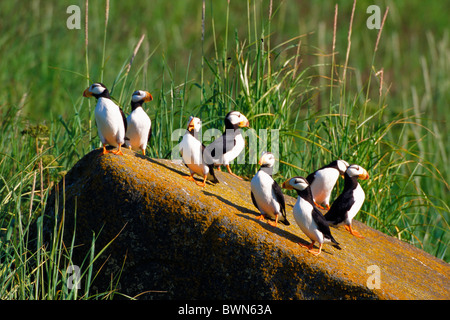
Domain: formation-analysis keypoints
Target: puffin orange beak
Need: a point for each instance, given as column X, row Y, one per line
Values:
column 364, row 175
column 191, row 125
column 286, row 185
column 262, row 160
column 87, row 93
column 148, row 97
column 244, row 123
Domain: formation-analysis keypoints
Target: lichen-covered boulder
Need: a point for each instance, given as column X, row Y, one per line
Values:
column 175, row 240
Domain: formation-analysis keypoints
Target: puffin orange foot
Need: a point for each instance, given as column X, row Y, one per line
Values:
column 118, row 151
column 230, row 172
column 104, row 151
column 272, row 223
column 316, row 253
column 309, row 247
column 319, row 206
column 353, row 232
column 189, row 178
column 202, row 184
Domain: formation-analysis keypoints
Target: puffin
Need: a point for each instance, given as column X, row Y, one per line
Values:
column 138, row 122
column 349, row 202
column 109, row 117
column 266, row 193
column 192, row 152
column 322, row 182
column 230, row 144
column 308, row 217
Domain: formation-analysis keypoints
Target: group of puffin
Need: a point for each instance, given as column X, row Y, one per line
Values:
column 113, row 127
column 201, row 160
column 314, row 191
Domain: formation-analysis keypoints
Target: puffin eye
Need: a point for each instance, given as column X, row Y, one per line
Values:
column 96, row 88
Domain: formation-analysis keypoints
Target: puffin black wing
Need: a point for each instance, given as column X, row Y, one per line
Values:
column 213, row 145
column 210, row 164
column 213, row 175
column 223, row 143
column 323, row 225
column 310, row 177
column 227, row 144
column 339, row 208
column 149, row 134
column 124, row 118
column 280, row 199
column 254, row 200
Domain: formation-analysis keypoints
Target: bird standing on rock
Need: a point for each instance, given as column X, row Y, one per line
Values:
column 266, row 193
column 230, row 144
column 322, row 182
column 193, row 154
column 308, row 217
column 110, row 119
column 350, row 201
column 138, row 122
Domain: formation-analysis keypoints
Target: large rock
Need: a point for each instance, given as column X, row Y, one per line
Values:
column 175, row 240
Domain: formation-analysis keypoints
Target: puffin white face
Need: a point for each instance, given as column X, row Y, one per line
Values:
column 267, row 159
column 357, row 171
column 342, row 166
column 141, row 95
column 194, row 123
column 95, row 89
column 297, row 183
column 237, row 118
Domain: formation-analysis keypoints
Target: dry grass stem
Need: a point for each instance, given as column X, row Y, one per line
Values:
column 136, row 49
column 381, row 28
column 349, row 41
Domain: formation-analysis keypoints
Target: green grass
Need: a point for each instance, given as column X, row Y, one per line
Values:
column 274, row 62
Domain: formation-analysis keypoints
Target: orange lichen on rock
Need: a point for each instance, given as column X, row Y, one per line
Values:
column 175, row 240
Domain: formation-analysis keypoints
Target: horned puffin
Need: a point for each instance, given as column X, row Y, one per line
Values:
column 109, row 117
column 230, row 144
column 349, row 202
column 322, row 182
column 266, row 193
column 138, row 122
column 308, row 217
column 192, row 152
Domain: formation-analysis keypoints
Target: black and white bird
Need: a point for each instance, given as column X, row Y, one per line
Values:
column 322, row 182
column 192, row 152
column 109, row 117
column 308, row 217
column 266, row 193
column 138, row 122
column 350, row 201
column 230, row 144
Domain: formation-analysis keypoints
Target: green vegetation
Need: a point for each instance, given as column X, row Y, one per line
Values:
column 279, row 63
